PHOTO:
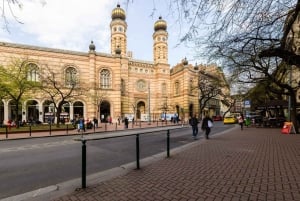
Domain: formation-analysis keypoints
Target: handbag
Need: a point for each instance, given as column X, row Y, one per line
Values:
column 209, row 124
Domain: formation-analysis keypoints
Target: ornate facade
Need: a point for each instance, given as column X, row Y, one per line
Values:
column 114, row 84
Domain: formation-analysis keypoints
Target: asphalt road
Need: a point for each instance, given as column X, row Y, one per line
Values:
column 31, row 164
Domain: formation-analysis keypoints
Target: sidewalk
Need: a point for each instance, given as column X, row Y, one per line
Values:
column 253, row 164
column 103, row 127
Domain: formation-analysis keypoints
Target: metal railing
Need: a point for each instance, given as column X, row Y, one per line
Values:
column 69, row 129
column 137, row 143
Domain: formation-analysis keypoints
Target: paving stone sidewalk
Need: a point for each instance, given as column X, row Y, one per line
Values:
column 253, row 164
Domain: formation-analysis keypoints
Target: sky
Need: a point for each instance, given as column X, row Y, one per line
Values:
column 71, row 25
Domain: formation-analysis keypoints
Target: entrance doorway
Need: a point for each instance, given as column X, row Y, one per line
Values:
column 104, row 111
column 140, row 109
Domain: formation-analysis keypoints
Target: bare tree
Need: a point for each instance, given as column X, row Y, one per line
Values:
column 98, row 97
column 7, row 8
column 59, row 90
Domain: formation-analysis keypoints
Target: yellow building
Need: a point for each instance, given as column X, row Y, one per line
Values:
column 115, row 85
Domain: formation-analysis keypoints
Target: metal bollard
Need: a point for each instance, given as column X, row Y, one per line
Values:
column 168, row 143
column 83, row 165
column 137, row 144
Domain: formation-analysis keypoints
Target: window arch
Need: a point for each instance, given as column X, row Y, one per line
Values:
column 123, row 87
column 70, row 76
column 105, row 78
column 33, row 72
column 177, row 88
column 164, row 89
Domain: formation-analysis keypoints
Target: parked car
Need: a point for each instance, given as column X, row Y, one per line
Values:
column 230, row 120
column 217, row 118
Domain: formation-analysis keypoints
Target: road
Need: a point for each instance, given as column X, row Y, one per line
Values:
column 31, row 164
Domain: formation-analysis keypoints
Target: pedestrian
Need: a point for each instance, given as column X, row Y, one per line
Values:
column 126, row 122
column 194, row 123
column 119, row 120
column 241, row 121
column 206, row 126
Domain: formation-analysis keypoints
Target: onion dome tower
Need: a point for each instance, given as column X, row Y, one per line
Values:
column 118, row 27
column 160, row 41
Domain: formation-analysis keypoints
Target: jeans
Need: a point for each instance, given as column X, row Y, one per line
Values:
column 207, row 131
column 195, row 130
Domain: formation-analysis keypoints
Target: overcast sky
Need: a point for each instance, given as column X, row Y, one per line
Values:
column 71, row 25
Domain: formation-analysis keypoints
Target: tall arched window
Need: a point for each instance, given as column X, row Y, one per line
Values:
column 32, row 73
column 164, row 89
column 177, row 88
column 123, row 87
column 70, row 76
column 105, row 79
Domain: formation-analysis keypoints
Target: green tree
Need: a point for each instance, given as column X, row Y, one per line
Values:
column 14, row 83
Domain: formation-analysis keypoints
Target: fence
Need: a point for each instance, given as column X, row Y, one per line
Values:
column 137, row 143
column 69, row 129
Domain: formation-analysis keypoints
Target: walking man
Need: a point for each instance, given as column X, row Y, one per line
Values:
column 194, row 124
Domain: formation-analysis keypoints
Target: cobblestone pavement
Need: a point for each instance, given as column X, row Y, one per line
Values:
column 253, row 164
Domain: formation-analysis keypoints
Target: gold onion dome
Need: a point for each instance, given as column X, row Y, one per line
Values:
column 160, row 24
column 118, row 13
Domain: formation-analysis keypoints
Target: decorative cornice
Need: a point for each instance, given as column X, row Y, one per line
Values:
column 46, row 49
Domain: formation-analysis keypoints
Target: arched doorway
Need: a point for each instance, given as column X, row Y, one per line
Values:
column 49, row 110
column 65, row 112
column 104, row 111
column 32, row 111
column 78, row 109
column 140, row 109
column 14, row 112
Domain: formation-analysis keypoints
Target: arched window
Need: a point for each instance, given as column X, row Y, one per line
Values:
column 177, row 88
column 70, row 76
column 191, row 87
column 32, row 73
column 164, row 89
column 123, row 87
column 105, row 79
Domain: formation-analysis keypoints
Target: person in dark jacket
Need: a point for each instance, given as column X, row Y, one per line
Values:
column 206, row 125
column 126, row 122
column 194, row 123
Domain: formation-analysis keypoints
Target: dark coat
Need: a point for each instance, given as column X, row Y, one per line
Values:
column 205, row 123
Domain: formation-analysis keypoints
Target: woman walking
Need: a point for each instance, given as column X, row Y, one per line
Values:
column 207, row 123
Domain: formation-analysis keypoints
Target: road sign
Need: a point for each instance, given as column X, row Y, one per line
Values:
column 247, row 104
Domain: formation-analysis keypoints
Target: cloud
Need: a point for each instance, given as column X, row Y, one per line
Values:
column 64, row 24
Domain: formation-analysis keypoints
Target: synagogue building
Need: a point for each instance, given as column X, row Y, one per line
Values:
column 110, row 84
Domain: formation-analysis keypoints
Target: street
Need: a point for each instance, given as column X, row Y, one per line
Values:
column 30, row 164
